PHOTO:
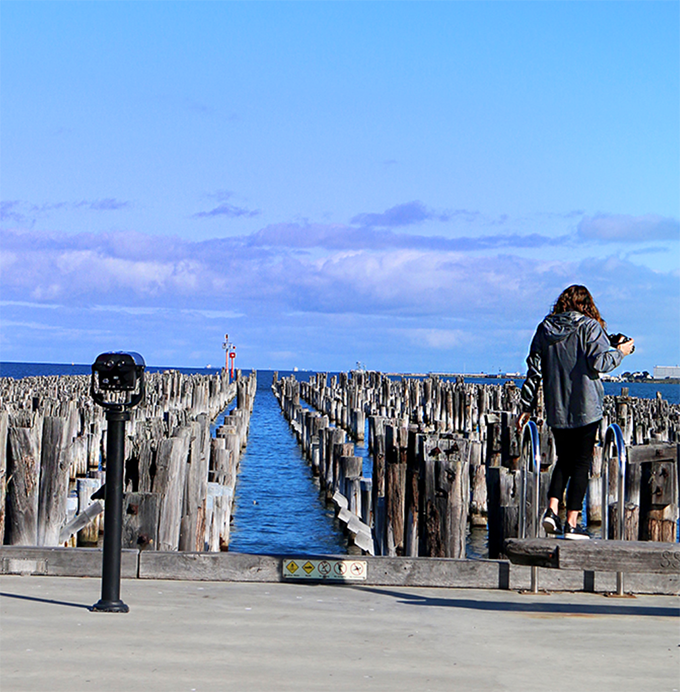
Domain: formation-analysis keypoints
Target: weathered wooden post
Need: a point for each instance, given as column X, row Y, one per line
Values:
column 54, row 474
column 377, row 438
column 446, row 491
column 478, row 496
column 24, row 484
column 395, row 487
column 4, row 423
column 411, row 540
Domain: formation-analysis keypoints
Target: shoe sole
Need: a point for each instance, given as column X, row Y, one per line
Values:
column 576, row 537
column 550, row 526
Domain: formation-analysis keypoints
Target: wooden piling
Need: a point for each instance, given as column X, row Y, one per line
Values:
column 4, row 426
column 23, row 488
column 55, row 462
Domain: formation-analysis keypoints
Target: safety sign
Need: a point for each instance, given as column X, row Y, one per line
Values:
column 329, row 570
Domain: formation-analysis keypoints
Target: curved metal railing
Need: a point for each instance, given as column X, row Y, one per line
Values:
column 530, row 462
column 613, row 440
column 530, row 442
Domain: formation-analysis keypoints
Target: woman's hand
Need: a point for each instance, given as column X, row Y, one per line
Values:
column 626, row 347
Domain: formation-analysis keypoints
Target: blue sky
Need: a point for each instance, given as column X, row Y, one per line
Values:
column 405, row 184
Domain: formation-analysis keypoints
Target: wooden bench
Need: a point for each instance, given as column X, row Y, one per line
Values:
column 594, row 555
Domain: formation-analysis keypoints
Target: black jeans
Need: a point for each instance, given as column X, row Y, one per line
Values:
column 574, row 456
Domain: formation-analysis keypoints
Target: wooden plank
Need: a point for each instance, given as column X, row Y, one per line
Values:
column 599, row 556
column 666, row 451
column 87, row 516
column 621, row 556
column 534, row 552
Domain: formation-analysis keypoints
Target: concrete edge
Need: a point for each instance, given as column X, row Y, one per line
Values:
column 62, row 562
column 380, row 571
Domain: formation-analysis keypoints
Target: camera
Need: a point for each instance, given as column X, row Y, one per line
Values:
column 618, row 339
column 118, row 379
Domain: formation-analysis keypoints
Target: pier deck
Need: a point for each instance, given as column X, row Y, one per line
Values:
column 198, row 636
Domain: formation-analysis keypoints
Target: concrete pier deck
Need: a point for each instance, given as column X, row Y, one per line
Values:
column 182, row 636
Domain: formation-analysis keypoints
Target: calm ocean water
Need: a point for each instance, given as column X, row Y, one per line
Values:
column 278, row 508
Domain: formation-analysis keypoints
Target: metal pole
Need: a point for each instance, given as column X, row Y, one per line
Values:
column 614, row 438
column 536, row 456
column 113, row 515
column 621, row 514
column 605, row 490
column 530, row 439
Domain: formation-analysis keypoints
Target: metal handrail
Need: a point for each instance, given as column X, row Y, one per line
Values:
column 614, row 438
column 530, row 440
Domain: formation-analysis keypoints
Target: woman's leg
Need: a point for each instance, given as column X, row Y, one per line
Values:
column 562, row 471
column 574, row 447
column 583, row 442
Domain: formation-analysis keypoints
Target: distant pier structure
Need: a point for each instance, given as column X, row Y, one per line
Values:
column 664, row 372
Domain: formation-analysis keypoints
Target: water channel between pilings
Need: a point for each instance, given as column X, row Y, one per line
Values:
column 277, row 505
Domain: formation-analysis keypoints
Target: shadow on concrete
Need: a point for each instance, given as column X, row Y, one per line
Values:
column 49, row 601
column 544, row 606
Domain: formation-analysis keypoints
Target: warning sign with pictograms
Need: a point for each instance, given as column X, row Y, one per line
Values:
column 329, row 570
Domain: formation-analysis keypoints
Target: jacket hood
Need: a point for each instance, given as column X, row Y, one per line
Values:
column 559, row 327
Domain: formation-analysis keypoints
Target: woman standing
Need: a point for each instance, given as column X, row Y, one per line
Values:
column 569, row 351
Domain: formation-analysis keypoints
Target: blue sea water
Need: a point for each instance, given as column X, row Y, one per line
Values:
column 278, row 508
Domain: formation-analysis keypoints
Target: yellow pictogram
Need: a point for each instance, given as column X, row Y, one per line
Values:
column 325, row 570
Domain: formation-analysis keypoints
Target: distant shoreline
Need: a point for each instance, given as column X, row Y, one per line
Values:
column 515, row 376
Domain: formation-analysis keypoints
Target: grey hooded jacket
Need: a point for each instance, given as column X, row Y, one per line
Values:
column 569, row 351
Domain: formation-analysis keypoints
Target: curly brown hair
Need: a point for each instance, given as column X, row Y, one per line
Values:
column 578, row 298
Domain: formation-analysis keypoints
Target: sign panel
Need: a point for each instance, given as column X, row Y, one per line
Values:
column 328, row 570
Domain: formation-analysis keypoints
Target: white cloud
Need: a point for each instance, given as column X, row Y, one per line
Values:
column 624, row 228
column 449, row 301
column 438, row 338
column 27, row 304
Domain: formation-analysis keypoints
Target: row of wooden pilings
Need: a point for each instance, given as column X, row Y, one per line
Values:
column 446, row 456
column 179, row 481
column 334, row 462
